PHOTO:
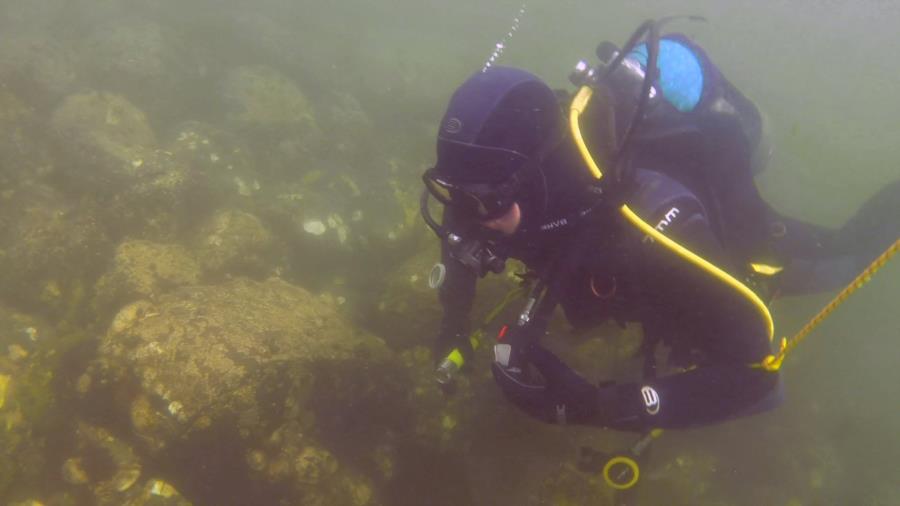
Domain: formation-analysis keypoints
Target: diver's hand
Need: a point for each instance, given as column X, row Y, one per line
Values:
column 451, row 353
column 563, row 397
column 446, row 342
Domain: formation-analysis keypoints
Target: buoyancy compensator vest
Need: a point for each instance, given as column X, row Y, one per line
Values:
column 696, row 128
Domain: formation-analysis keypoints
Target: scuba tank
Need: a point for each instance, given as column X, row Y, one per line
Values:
column 695, row 127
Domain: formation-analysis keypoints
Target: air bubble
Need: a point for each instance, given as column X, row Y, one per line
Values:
column 500, row 46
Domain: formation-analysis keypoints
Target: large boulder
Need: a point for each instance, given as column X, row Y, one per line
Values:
column 210, row 373
column 104, row 136
column 234, row 242
column 111, row 155
column 272, row 112
column 261, row 98
column 144, row 270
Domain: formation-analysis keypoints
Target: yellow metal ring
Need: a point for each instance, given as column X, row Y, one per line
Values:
column 627, row 461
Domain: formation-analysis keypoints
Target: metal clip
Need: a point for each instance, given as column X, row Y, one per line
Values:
column 525, row 315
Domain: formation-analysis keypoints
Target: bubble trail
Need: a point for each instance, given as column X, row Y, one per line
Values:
column 500, row 46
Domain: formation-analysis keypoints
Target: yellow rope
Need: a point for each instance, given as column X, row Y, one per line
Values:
column 773, row 362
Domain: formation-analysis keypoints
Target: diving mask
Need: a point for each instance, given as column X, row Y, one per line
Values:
column 476, row 251
column 482, row 201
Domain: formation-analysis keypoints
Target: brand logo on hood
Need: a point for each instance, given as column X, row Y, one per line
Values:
column 453, row 126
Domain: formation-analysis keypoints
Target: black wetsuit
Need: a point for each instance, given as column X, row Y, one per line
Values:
column 691, row 176
column 600, row 267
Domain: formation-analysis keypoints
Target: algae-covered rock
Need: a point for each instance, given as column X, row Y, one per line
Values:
column 4, row 388
column 22, row 152
column 349, row 127
column 26, row 400
column 569, row 486
column 408, row 311
column 157, row 492
column 22, row 456
column 106, row 470
column 314, row 465
column 442, row 418
column 38, row 67
column 20, row 331
column 317, row 227
column 221, row 160
column 13, row 114
column 112, row 156
column 155, row 204
column 73, row 472
column 685, row 478
column 235, row 243
column 105, row 137
column 290, row 456
column 50, row 250
column 143, row 269
column 239, row 359
column 347, row 118
column 342, row 225
column 390, row 224
column 104, row 464
column 274, row 115
column 261, row 98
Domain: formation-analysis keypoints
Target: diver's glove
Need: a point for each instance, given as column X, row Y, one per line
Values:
column 563, row 397
column 447, row 340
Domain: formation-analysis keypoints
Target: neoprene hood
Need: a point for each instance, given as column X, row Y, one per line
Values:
column 495, row 121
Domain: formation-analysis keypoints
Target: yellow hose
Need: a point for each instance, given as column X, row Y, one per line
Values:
column 579, row 103
column 772, row 362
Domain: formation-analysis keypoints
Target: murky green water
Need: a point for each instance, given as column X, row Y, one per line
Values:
column 213, row 272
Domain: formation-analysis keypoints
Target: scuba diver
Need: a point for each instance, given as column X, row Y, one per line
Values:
column 681, row 146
